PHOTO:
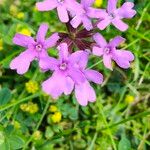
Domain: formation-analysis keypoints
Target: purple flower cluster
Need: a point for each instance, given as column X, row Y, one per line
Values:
column 69, row 71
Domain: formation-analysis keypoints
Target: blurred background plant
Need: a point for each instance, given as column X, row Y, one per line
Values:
column 29, row 119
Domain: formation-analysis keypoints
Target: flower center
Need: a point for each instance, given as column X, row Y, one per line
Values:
column 60, row 1
column 112, row 15
column 63, row 66
column 107, row 50
column 39, row 47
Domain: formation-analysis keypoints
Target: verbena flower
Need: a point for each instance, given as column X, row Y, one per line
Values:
column 35, row 49
column 65, row 73
column 84, row 92
column 114, row 15
column 69, row 71
column 110, row 52
column 84, row 15
column 63, row 7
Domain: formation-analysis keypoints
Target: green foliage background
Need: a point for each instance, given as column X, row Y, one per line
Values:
column 111, row 123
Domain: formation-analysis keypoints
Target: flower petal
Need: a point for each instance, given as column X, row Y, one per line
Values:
column 100, row 40
column 94, row 76
column 52, row 40
column 22, row 62
column 107, row 61
column 69, row 86
column 126, row 11
column 62, row 13
column 80, row 58
column 87, row 3
column 46, row 5
column 76, row 75
column 23, row 40
column 96, row 13
column 103, row 23
column 111, row 6
column 54, row 86
column 84, row 93
column 119, row 24
column 87, row 23
column 48, row 63
column 97, row 51
column 76, row 21
column 116, row 41
column 63, row 51
column 42, row 32
column 123, row 58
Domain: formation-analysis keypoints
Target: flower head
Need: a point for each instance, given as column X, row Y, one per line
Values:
column 35, row 49
column 84, row 92
column 63, row 7
column 70, row 72
column 65, row 73
column 32, row 87
column 114, row 15
column 110, row 52
column 56, row 117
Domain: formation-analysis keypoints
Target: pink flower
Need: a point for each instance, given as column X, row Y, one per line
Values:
column 114, row 16
column 84, row 92
column 65, row 74
column 35, row 49
column 62, row 6
column 69, row 72
column 110, row 52
column 84, row 15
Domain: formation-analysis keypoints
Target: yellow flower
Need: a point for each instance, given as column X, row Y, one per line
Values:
column 20, row 15
column 29, row 107
column 53, row 108
column 56, row 117
column 32, row 87
column 25, row 31
column 129, row 99
column 33, row 108
column 23, row 107
column 98, row 3
column 16, row 125
column 1, row 44
column 37, row 135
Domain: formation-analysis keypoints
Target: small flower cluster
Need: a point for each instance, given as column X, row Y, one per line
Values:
column 29, row 107
column 31, row 87
column 56, row 116
column 70, row 70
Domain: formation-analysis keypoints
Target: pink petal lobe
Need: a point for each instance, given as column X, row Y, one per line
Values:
column 119, row 24
column 94, row 76
column 46, row 5
column 97, row 51
column 62, row 13
column 42, row 32
column 107, row 61
column 22, row 62
column 23, row 40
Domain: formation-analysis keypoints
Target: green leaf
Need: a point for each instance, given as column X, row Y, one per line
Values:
column 5, row 96
column 16, row 142
column 124, row 143
column 49, row 132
